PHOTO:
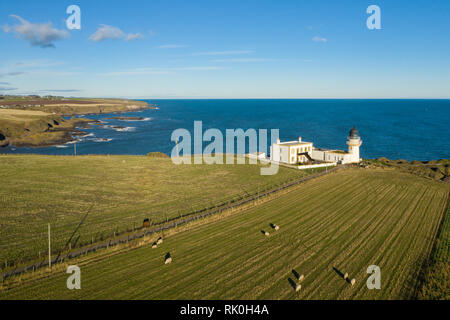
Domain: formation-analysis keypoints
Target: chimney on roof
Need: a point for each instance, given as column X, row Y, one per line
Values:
column 299, row 139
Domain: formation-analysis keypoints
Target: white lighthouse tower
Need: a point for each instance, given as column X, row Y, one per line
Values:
column 354, row 142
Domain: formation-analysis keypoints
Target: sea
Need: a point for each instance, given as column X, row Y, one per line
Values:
column 395, row 129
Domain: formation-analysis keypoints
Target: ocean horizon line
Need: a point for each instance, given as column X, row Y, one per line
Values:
column 355, row 99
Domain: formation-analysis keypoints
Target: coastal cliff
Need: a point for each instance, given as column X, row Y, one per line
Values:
column 39, row 122
column 24, row 128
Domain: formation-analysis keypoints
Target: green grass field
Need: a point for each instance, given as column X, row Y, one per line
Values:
column 437, row 274
column 121, row 191
column 347, row 220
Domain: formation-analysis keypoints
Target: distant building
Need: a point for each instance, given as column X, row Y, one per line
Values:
column 299, row 152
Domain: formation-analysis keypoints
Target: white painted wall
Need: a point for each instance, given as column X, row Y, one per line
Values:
column 284, row 154
column 275, row 153
column 318, row 155
column 320, row 165
column 353, row 148
column 330, row 156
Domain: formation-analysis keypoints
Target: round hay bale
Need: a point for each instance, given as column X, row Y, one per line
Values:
column 154, row 245
column 168, row 260
column 266, row 234
column 301, row 278
column 346, row 276
column 353, row 282
column 277, row 228
column 298, row 287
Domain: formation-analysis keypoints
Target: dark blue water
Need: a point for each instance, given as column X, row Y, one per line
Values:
column 396, row 129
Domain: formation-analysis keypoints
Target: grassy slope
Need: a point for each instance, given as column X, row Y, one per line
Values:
column 437, row 276
column 99, row 106
column 437, row 170
column 75, row 106
column 34, row 128
column 348, row 220
column 26, row 121
column 35, row 190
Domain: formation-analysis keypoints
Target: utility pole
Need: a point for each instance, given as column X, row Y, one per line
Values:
column 49, row 249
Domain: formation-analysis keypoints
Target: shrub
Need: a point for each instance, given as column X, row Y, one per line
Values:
column 157, row 155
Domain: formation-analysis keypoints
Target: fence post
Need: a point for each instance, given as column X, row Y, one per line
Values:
column 49, row 249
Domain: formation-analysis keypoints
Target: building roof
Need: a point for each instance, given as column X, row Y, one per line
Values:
column 338, row 151
column 293, row 143
column 332, row 151
column 354, row 133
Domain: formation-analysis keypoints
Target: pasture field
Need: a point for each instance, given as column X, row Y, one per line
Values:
column 437, row 272
column 119, row 192
column 341, row 222
column 73, row 106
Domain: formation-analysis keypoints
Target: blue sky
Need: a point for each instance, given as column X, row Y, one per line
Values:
column 226, row 49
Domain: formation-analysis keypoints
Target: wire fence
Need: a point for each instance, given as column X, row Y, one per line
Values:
column 141, row 232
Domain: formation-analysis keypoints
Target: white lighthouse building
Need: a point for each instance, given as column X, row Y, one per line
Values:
column 354, row 142
column 340, row 156
column 300, row 152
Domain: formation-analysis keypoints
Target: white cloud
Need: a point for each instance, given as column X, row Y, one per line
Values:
column 159, row 71
column 198, row 68
column 319, row 39
column 171, row 46
column 7, row 89
column 105, row 32
column 220, row 53
column 133, row 36
column 38, row 63
column 40, row 73
column 37, row 34
column 16, row 73
column 243, row 60
column 134, row 72
column 61, row 90
column 53, row 73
